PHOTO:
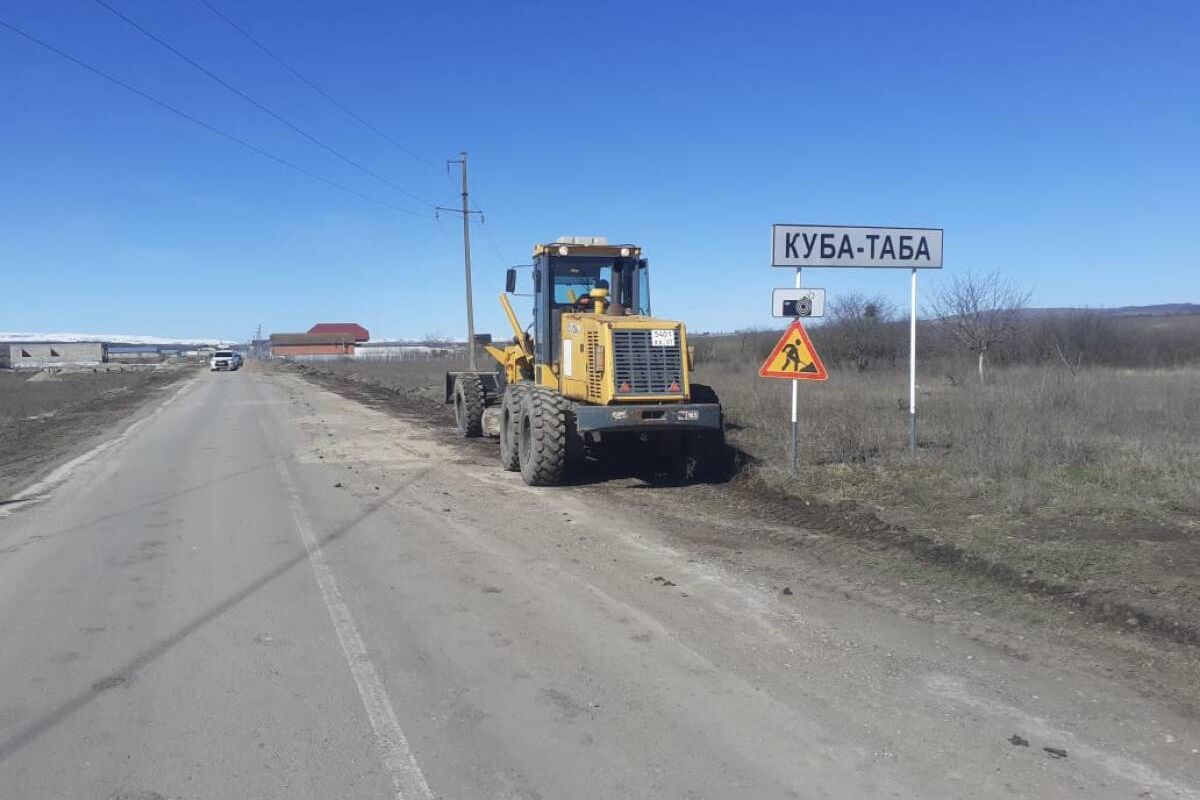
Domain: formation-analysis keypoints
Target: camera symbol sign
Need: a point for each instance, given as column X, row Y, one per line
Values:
column 798, row 302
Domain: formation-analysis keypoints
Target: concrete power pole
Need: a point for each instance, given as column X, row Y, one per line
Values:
column 466, row 218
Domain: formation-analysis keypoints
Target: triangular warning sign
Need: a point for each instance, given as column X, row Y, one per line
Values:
column 794, row 357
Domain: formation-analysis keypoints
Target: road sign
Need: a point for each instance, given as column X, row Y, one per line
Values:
column 852, row 246
column 794, row 357
column 798, row 302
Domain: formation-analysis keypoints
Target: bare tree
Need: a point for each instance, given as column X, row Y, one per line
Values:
column 1078, row 337
column 859, row 330
column 979, row 311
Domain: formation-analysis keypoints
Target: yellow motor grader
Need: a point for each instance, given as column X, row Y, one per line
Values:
column 595, row 375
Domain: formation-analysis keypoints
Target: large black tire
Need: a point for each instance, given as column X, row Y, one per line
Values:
column 468, row 405
column 543, row 429
column 703, row 455
column 703, row 393
column 510, row 426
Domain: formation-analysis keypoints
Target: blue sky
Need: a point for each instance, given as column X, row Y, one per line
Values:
column 1056, row 142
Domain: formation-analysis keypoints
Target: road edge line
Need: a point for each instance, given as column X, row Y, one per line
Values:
column 408, row 780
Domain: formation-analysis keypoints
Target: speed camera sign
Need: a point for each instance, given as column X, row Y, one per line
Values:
column 798, row 303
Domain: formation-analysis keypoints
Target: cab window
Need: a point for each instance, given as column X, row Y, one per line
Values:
column 643, row 295
column 575, row 281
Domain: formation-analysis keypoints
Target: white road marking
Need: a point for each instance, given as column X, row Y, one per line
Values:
column 407, row 778
column 1135, row 772
column 39, row 490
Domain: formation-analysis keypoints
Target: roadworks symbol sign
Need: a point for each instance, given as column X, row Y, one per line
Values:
column 794, row 357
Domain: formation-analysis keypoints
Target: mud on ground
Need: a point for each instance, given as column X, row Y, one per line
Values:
column 66, row 415
column 781, row 539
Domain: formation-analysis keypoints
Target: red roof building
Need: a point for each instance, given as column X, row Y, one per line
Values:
column 350, row 330
column 299, row 345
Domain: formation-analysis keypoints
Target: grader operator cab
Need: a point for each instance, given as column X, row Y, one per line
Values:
column 595, row 375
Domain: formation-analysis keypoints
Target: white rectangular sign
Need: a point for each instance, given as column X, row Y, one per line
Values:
column 662, row 338
column 850, row 246
column 797, row 302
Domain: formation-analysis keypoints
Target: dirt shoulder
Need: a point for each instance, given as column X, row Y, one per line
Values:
column 749, row 523
column 70, row 419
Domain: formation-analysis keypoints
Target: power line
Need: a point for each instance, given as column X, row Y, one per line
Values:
column 491, row 239
column 312, row 85
column 210, row 128
column 296, row 128
column 445, row 232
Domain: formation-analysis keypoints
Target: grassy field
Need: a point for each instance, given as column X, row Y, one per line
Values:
column 1087, row 480
column 1110, row 444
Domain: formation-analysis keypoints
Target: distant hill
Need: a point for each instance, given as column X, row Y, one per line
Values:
column 1159, row 310
column 111, row 338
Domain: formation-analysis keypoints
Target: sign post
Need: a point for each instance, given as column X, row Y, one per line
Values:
column 848, row 246
column 795, row 417
column 796, row 303
column 794, row 358
column 912, row 367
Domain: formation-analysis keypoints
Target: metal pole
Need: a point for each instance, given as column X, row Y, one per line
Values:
column 795, row 420
column 912, row 367
column 466, row 215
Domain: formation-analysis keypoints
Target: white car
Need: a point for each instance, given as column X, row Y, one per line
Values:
column 225, row 359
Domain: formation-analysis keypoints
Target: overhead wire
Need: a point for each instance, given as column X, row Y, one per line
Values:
column 313, row 85
column 442, row 227
column 487, row 232
column 350, row 112
column 260, row 106
column 210, row 128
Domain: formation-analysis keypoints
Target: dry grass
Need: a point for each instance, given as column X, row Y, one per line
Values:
column 1104, row 443
column 1091, row 479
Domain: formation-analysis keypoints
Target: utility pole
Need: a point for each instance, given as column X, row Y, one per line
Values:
column 466, row 219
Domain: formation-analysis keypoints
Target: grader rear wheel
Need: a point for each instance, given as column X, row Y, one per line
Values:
column 510, row 432
column 468, row 405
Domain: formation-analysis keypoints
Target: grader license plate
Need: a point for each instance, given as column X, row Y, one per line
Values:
column 662, row 338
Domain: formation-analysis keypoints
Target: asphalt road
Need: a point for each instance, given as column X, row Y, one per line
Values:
column 264, row 590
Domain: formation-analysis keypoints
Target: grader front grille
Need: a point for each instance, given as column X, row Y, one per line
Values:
column 644, row 368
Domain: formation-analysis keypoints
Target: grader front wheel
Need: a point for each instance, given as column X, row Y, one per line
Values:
column 510, row 426
column 703, row 455
column 542, row 436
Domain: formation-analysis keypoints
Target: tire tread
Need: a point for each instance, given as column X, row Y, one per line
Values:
column 470, row 387
column 549, row 415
